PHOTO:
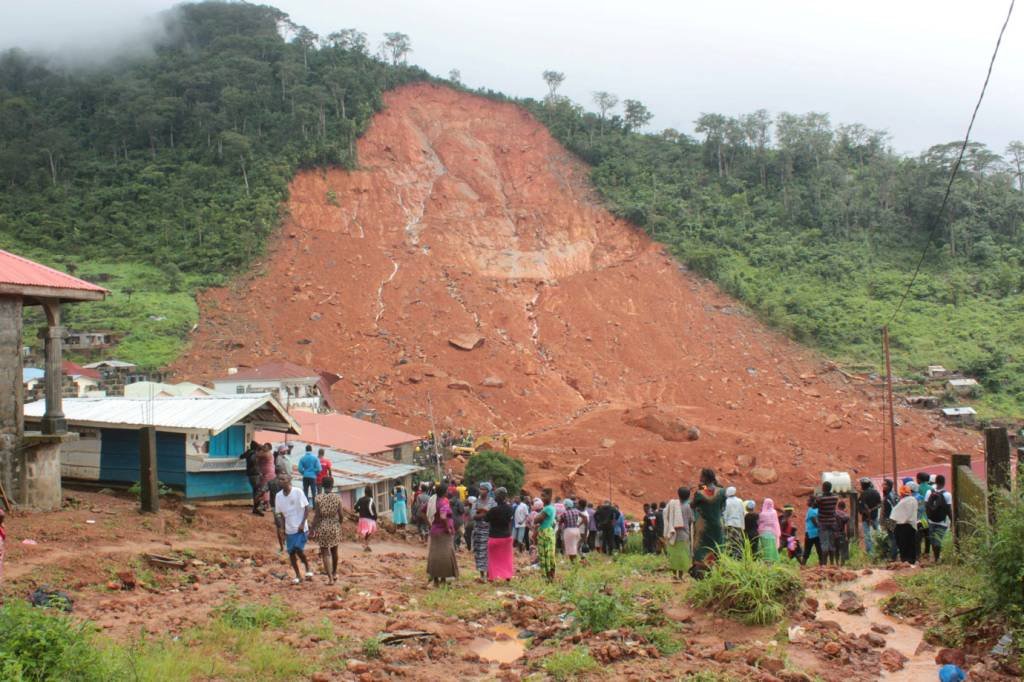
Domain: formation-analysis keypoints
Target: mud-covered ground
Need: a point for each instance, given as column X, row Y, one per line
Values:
column 467, row 631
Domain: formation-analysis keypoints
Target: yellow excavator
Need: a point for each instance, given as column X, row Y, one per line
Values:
column 500, row 442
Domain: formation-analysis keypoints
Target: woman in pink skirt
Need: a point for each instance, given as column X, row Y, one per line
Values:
column 367, row 511
column 570, row 526
column 500, row 553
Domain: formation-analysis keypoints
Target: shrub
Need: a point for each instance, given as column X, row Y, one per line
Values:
column 497, row 467
column 39, row 644
column 570, row 664
column 371, row 647
column 748, row 590
column 598, row 612
column 1000, row 555
column 254, row 616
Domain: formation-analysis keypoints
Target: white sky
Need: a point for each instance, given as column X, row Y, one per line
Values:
column 911, row 67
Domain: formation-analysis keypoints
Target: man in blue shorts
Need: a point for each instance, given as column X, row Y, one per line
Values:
column 291, row 509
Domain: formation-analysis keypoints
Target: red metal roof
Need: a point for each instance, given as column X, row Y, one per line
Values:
column 341, row 432
column 72, row 370
column 272, row 371
column 18, row 271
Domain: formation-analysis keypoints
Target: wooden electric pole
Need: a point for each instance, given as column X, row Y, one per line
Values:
column 892, row 409
column 149, row 493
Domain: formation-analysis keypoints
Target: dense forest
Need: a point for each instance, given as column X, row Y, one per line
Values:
column 161, row 173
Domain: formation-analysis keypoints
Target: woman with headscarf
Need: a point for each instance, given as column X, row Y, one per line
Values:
column 733, row 519
column 481, row 529
column 546, row 536
column 326, row 527
column 570, row 525
column 441, row 561
column 399, row 509
column 904, row 516
column 708, row 503
column 750, row 520
column 500, row 550
column 678, row 532
column 536, row 508
column 768, row 530
column 367, row 510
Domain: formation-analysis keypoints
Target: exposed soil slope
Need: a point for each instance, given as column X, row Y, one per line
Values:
column 468, row 218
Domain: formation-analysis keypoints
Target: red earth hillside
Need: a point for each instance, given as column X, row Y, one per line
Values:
column 467, row 218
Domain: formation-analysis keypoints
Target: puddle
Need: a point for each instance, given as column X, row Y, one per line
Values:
column 505, row 647
column 905, row 638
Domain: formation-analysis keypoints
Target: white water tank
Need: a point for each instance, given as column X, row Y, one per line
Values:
column 840, row 480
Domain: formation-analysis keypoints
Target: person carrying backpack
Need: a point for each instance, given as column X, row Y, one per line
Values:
column 938, row 509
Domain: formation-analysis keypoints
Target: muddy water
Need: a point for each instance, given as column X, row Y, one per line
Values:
column 905, row 639
column 504, row 647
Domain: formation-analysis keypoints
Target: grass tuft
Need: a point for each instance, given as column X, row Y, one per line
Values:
column 748, row 590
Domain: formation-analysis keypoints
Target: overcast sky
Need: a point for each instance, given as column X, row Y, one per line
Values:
column 911, row 67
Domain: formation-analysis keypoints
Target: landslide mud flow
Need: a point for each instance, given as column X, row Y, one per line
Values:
column 599, row 351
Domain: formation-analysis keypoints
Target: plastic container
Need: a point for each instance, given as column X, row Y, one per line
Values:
column 840, row 480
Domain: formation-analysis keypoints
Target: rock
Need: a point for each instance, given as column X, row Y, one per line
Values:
column 772, row 665
column 874, row 639
column 459, row 385
column 320, row 677
column 850, row 602
column 882, row 629
column 693, row 433
column 356, row 667
column 796, row 634
column 469, row 341
column 607, row 443
column 493, row 382
column 834, row 421
column 315, row 316
column 656, row 420
column 763, row 475
column 793, row 676
column 832, row 648
column 892, row 660
column 954, row 656
column 745, row 461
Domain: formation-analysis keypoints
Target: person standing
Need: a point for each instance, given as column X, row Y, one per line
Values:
column 708, row 503
column 869, row 504
column 585, row 511
column 441, row 561
column 458, row 512
column 522, row 513
column 265, row 463
column 750, row 522
column 647, row 528
column 827, row 503
column 592, row 528
column 309, row 467
column 924, row 488
column 606, row 517
column 678, row 532
column 812, row 533
column 481, row 528
column 326, row 530
column 768, row 531
column 904, row 516
column 399, row 510
column 252, row 472
column 292, row 508
column 500, row 554
column 326, row 469
column 787, row 530
column 842, row 534
column 889, row 501
column 367, row 510
column 546, row 535
column 733, row 519
column 938, row 508
column 659, row 528
column 571, row 521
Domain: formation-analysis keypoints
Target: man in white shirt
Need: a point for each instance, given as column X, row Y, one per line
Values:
column 292, row 510
column 938, row 511
column 519, row 522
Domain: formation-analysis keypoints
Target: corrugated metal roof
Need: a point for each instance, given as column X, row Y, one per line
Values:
column 115, row 364
column 212, row 413
column 271, row 371
column 31, row 373
column 349, row 469
column 24, row 272
column 958, row 411
column 348, row 434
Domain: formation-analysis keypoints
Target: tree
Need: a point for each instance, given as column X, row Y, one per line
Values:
column 554, row 79
column 396, row 46
column 498, row 468
column 348, row 39
column 636, row 114
column 1015, row 152
column 605, row 102
column 455, row 76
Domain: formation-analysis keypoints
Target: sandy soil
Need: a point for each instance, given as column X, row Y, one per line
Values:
column 466, row 217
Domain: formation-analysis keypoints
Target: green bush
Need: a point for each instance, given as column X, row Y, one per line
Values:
column 1000, row 556
column 498, row 468
column 38, row 645
column 569, row 665
column 599, row 611
column 748, row 590
column 254, row 616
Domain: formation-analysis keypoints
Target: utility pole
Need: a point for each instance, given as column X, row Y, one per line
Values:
column 433, row 429
column 892, row 409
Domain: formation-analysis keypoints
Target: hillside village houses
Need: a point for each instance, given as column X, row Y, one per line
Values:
column 293, row 386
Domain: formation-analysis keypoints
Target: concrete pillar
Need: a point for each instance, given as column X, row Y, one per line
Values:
column 53, row 421
column 11, row 397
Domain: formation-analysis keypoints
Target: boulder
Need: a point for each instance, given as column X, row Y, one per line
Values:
column 656, row 420
column 951, row 656
column 459, row 385
column 834, row 421
column 892, row 660
column 850, row 602
column 467, row 341
column 745, row 461
column 607, row 443
column 493, row 382
column 693, row 433
column 874, row 639
column 763, row 475
column 832, row 648
column 315, row 316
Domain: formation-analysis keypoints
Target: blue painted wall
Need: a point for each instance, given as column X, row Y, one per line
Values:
column 228, row 443
column 217, row 484
column 119, row 456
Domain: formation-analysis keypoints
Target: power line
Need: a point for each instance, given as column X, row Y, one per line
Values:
column 956, row 168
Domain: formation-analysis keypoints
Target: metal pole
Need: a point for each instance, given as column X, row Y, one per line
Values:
column 884, row 434
column 433, row 428
column 892, row 409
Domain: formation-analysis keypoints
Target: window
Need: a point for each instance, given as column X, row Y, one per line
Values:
column 240, row 389
column 398, row 454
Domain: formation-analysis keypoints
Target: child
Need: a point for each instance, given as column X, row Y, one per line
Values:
column 842, row 526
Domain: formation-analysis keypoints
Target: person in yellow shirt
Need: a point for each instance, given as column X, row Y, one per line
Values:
column 461, row 487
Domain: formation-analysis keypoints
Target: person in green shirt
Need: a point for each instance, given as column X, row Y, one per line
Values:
column 546, row 536
column 708, row 504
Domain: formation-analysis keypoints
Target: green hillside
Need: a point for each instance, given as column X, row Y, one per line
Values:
column 161, row 174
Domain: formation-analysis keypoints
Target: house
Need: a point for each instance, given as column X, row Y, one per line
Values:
column 83, row 342
column 116, row 374
column 962, row 386
column 959, row 415
column 156, row 389
column 293, row 386
column 923, row 401
column 79, row 381
column 30, row 462
column 357, row 436
column 936, row 372
column 198, row 439
column 353, row 473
